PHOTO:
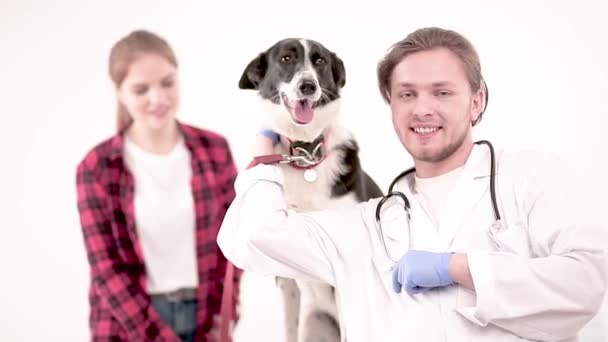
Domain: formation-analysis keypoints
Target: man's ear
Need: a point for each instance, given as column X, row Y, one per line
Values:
column 480, row 102
column 338, row 71
column 254, row 72
column 477, row 104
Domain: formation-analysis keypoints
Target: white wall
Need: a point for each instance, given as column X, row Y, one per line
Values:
column 545, row 62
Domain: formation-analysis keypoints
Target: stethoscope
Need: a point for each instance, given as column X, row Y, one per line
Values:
column 406, row 203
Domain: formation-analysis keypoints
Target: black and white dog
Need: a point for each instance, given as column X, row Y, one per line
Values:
column 299, row 81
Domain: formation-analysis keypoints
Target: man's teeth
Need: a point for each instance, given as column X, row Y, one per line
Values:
column 425, row 130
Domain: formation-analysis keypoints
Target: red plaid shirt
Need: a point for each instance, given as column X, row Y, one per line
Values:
column 120, row 308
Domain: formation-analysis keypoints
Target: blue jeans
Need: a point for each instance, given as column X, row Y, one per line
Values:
column 179, row 315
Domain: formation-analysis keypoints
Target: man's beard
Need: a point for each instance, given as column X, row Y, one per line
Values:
column 430, row 156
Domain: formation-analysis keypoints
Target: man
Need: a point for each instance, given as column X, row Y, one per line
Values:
column 452, row 272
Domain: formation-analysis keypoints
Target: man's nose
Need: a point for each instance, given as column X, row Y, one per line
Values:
column 424, row 105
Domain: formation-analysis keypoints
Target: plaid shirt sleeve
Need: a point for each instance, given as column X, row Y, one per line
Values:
column 129, row 304
column 226, row 176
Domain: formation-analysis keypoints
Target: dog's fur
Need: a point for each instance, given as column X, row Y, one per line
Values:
column 296, row 78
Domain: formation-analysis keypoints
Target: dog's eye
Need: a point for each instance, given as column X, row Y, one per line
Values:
column 320, row 61
column 285, row 59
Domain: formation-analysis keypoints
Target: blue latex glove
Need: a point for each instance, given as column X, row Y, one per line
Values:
column 272, row 135
column 419, row 271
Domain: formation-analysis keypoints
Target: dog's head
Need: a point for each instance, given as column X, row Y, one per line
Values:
column 301, row 80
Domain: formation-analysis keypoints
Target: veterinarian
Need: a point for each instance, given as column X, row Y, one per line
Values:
column 151, row 199
column 474, row 244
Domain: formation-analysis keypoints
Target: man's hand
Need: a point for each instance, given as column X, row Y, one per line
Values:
column 419, row 271
column 459, row 271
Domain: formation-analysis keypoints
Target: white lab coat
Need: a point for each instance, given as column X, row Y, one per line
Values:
column 542, row 278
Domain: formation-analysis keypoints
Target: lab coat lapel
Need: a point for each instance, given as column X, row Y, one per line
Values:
column 473, row 184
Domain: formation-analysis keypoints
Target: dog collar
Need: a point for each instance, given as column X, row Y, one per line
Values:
column 312, row 153
column 302, row 155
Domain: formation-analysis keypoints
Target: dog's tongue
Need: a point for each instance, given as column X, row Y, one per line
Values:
column 303, row 112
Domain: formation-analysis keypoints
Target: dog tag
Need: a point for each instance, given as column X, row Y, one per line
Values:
column 310, row 175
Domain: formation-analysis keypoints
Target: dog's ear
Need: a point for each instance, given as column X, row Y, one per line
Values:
column 254, row 73
column 338, row 71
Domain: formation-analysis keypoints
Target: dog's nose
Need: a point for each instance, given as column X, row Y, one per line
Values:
column 307, row 87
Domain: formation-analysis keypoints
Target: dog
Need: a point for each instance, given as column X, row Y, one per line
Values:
column 299, row 82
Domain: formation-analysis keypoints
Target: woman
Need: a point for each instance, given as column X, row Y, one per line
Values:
column 151, row 199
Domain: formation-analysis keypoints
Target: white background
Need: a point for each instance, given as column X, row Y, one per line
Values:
column 545, row 63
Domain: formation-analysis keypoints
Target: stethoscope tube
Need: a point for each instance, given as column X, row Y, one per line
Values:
column 492, row 178
column 392, row 193
column 406, row 202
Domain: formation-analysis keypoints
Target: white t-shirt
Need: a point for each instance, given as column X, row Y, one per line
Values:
column 164, row 216
column 433, row 192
